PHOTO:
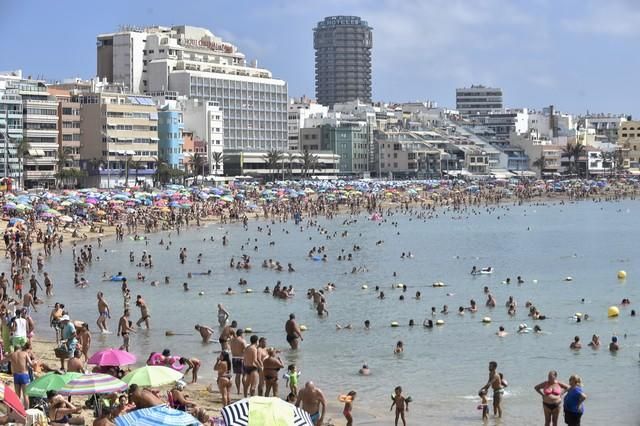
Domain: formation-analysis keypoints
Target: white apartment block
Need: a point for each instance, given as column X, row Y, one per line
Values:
column 195, row 63
column 204, row 120
column 299, row 111
column 475, row 102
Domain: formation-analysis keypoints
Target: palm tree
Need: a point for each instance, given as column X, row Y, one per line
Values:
column 198, row 163
column 309, row 162
column 578, row 150
column 273, row 159
column 539, row 163
column 22, row 150
column 567, row 151
column 136, row 165
column 64, row 158
column 162, row 174
column 217, row 158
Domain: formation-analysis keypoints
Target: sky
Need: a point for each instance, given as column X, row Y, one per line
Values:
column 574, row 54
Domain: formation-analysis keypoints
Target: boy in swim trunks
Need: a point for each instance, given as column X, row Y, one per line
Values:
column 20, row 365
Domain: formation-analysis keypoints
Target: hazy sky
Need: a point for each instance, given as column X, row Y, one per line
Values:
column 576, row 54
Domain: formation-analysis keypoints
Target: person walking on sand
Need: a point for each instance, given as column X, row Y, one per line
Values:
column 348, row 407
column 20, row 366
column 144, row 312
column 495, row 382
column 103, row 313
column 293, row 332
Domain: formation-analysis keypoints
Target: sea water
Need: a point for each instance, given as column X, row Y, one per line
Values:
column 441, row 368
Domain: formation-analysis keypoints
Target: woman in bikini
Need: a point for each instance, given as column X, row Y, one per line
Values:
column 223, row 367
column 60, row 412
column 271, row 365
column 551, row 391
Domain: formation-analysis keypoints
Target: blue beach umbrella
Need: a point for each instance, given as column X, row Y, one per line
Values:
column 158, row 415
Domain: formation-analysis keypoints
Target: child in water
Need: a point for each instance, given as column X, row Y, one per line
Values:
column 401, row 403
column 348, row 406
column 484, row 404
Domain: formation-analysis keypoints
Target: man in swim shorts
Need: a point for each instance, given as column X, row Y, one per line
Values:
column 238, row 345
column 251, row 365
column 293, row 332
column 495, row 382
column 20, row 364
column 226, row 334
column 313, row 402
column 103, row 313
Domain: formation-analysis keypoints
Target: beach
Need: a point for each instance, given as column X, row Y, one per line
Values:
column 536, row 239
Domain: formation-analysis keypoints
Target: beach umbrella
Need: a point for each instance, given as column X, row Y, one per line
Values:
column 158, row 415
column 152, row 376
column 227, row 198
column 9, row 205
column 50, row 381
column 112, row 358
column 15, row 220
column 66, row 218
column 9, row 398
column 261, row 411
column 91, row 384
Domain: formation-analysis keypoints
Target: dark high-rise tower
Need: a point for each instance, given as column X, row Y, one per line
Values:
column 343, row 60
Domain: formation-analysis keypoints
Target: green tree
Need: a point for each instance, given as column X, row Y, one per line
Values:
column 273, row 160
column 65, row 161
column 217, row 158
column 539, row 163
column 309, row 162
column 22, row 150
column 136, row 165
column 198, row 164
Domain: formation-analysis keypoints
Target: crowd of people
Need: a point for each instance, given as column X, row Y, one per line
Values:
column 246, row 363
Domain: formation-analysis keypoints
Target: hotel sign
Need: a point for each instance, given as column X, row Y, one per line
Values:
column 205, row 44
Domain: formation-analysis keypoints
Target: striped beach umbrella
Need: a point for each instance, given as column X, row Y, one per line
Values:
column 158, row 415
column 261, row 411
column 91, row 384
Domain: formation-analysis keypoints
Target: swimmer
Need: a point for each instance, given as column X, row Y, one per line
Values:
column 501, row 332
column 399, row 347
column 364, row 371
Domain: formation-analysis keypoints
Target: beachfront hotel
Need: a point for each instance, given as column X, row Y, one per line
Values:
column 343, row 60
column 197, row 64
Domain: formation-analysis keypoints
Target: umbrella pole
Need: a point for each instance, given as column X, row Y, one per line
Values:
column 98, row 405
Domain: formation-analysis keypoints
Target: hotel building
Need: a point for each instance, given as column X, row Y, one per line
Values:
column 199, row 65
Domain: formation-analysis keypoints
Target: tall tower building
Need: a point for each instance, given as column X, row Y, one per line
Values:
column 343, row 60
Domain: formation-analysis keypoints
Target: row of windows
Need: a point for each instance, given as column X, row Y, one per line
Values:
column 261, row 87
column 133, row 127
column 172, row 135
column 119, row 114
column 138, row 153
column 40, row 111
column 41, row 126
column 70, row 111
column 70, row 124
column 177, row 150
column 71, row 137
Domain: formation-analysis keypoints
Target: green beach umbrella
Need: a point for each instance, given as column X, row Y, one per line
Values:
column 50, row 381
column 152, row 376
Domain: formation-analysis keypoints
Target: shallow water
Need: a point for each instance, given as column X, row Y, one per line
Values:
column 442, row 369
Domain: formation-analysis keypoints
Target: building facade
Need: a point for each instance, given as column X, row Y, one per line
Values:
column 118, row 130
column 68, row 129
column 170, row 139
column 476, row 102
column 204, row 120
column 350, row 141
column 629, row 139
column 11, row 127
column 299, row 111
column 342, row 60
column 40, row 131
column 195, row 63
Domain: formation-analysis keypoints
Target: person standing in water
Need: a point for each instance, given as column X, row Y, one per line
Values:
column 144, row 312
column 223, row 315
column 103, row 313
column 495, row 382
column 293, row 332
